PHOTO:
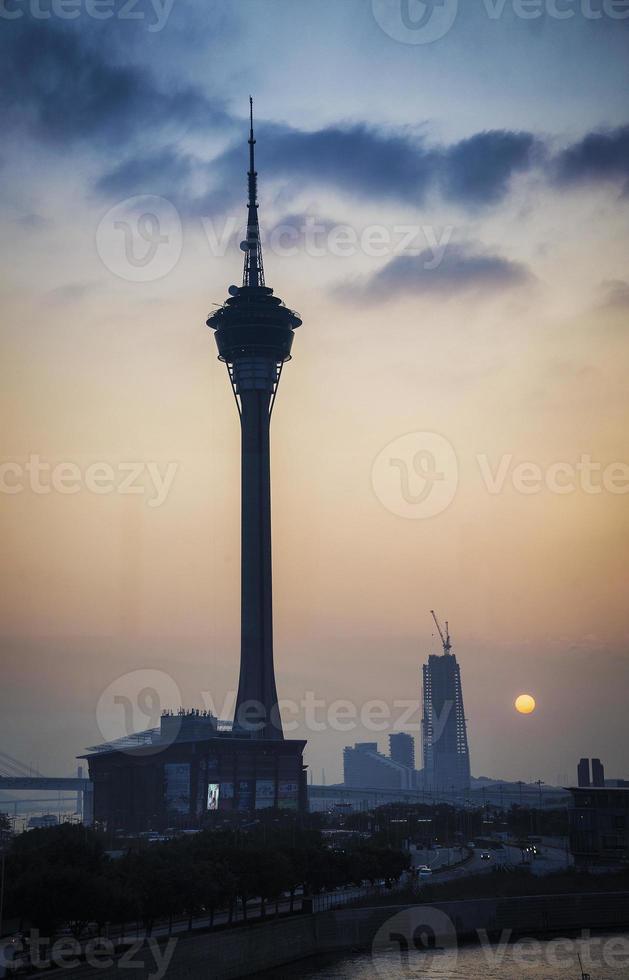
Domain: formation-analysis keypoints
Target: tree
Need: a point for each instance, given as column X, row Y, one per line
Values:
column 50, row 896
column 66, row 846
column 275, row 874
column 157, row 886
column 218, row 887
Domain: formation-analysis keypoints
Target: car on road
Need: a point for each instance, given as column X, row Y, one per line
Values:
column 425, row 871
column 485, row 856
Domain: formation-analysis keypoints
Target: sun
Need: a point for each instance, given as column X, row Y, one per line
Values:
column 525, row 704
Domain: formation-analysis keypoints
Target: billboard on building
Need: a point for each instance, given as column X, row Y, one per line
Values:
column 246, row 794
column 177, row 787
column 213, row 796
column 265, row 794
column 226, row 796
column 288, row 796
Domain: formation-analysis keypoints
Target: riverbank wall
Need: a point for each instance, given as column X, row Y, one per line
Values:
column 240, row 952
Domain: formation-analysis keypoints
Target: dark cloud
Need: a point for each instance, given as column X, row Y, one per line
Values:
column 462, row 269
column 32, row 221
column 599, row 156
column 71, row 292
column 614, row 295
column 162, row 172
column 296, row 224
column 64, row 87
column 356, row 160
column 478, row 170
column 380, row 165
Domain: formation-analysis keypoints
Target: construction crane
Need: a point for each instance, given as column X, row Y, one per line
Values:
column 445, row 640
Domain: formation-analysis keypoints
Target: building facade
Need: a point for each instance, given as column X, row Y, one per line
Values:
column 583, row 772
column 599, row 826
column 402, row 749
column 590, row 777
column 598, row 773
column 444, row 730
column 175, row 776
column 364, row 766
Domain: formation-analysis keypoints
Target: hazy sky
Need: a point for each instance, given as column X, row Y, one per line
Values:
column 447, row 209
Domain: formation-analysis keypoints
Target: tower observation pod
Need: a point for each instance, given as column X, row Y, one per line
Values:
column 254, row 335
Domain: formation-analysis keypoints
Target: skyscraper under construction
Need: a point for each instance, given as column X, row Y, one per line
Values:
column 444, row 730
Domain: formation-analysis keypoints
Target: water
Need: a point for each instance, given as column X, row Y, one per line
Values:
column 605, row 957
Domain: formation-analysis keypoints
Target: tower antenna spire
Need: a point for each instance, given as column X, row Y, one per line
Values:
column 253, row 271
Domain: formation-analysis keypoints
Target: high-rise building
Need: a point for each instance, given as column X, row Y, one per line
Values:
column 444, row 729
column 598, row 773
column 599, row 826
column 583, row 772
column 597, row 777
column 402, row 749
column 365, row 767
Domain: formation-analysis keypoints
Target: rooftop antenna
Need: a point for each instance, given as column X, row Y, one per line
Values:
column 253, row 271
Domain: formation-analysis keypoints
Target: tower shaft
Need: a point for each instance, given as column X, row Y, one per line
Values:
column 256, row 702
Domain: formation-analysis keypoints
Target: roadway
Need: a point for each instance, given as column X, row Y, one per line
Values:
column 552, row 857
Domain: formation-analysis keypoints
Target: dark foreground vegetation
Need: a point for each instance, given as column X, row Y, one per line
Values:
column 63, row 877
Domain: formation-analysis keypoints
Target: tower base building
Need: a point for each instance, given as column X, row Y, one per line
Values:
column 175, row 776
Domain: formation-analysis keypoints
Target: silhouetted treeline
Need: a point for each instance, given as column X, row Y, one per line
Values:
column 62, row 876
